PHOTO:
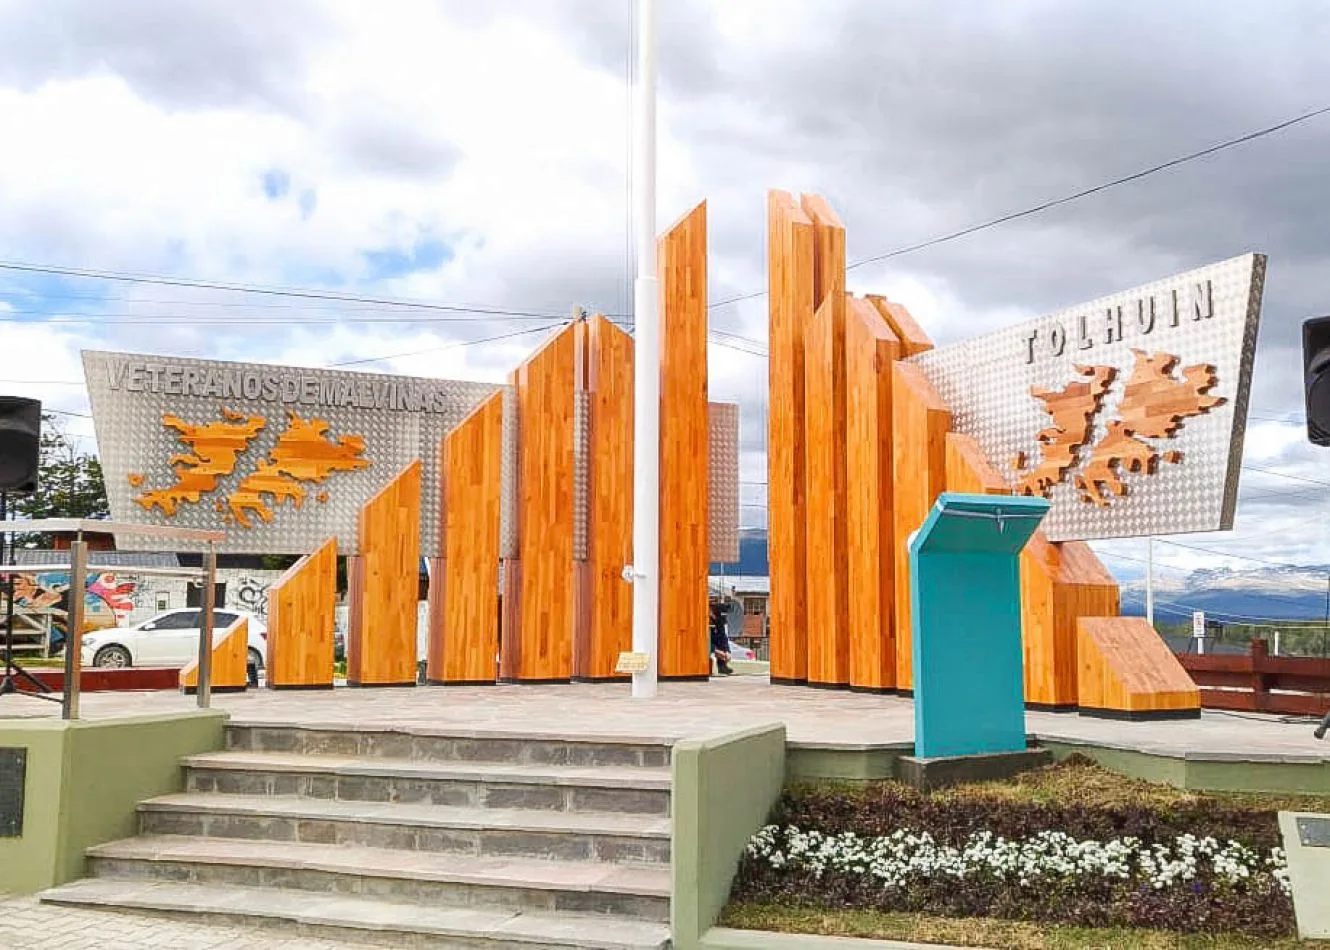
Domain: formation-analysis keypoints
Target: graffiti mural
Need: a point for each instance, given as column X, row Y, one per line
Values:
column 250, row 594
column 107, row 601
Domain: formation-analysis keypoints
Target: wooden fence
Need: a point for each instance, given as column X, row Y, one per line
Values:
column 1259, row 682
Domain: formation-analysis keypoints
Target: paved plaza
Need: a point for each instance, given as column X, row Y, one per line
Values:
column 812, row 716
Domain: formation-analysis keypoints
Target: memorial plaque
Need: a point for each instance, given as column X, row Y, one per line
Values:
column 13, row 775
column 1314, row 832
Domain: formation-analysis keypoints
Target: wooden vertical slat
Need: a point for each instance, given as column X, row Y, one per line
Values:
column 685, row 437
column 463, row 644
column 301, row 617
column 537, row 637
column 790, row 275
column 229, row 671
column 920, row 422
column 969, row 471
column 386, row 588
column 824, row 454
column 870, row 350
column 607, row 598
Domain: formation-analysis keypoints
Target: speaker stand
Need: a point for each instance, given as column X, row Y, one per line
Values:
column 14, row 678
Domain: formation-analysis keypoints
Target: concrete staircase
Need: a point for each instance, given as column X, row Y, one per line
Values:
column 400, row 839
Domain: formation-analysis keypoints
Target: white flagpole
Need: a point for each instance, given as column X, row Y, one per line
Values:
column 646, row 356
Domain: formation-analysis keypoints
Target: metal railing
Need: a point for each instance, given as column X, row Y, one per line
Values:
column 78, row 579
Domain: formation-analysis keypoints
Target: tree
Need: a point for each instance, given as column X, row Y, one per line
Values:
column 69, row 481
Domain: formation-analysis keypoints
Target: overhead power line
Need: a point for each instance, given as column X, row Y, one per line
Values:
column 1067, row 199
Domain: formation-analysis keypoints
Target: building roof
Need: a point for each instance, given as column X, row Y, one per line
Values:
column 124, row 560
column 740, row 583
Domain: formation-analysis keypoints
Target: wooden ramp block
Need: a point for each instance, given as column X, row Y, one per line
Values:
column 685, row 440
column 1127, row 671
column 464, row 629
column 605, row 600
column 870, row 350
column 301, row 618
column 912, row 337
column 385, row 586
column 1059, row 584
column 537, row 635
column 230, row 651
column 790, row 276
column 969, row 471
column 920, row 422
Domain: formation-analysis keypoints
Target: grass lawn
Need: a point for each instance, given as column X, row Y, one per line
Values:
column 983, row 931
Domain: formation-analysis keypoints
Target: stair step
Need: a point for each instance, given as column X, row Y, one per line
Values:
column 584, row 887
column 471, row 784
column 384, row 923
column 578, row 836
column 448, row 745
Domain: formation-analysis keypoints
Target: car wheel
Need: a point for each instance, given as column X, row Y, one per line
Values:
column 112, row 658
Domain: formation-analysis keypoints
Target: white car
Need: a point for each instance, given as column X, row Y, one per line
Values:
column 738, row 652
column 168, row 639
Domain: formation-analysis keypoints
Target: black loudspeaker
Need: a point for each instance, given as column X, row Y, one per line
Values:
column 20, row 444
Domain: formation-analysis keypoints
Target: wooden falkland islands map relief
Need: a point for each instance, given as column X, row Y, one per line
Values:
column 304, row 453
column 1154, row 405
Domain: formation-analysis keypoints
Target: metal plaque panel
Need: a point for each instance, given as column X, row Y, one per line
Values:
column 724, row 483
column 13, row 777
column 1314, row 832
column 279, row 457
column 1128, row 412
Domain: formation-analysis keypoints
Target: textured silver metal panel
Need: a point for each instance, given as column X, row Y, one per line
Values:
column 508, row 475
column 581, row 466
column 723, row 480
column 987, row 383
column 131, row 394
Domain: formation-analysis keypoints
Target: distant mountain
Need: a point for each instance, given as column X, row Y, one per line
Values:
column 1269, row 593
column 752, row 555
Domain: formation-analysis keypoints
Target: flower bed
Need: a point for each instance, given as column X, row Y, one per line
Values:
column 1180, row 862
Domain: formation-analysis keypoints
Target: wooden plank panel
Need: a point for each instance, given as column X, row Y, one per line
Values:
column 1126, row 668
column 790, row 275
column 824, row 454
column 1059, row 584
column 870, row 350
column 920, row 422
column 685, row 437
column 230, row 651
column 301, row 618
column 968, row 470
column 607, row 601
column 387, row 586
column 903, row 325
column 539, row 591
column 462, row 647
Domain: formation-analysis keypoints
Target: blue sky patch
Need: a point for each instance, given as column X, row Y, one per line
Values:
column 425, row 254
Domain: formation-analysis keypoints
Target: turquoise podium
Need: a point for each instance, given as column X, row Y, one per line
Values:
column 965, row 605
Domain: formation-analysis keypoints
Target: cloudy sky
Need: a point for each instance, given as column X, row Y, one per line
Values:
column 476, row 155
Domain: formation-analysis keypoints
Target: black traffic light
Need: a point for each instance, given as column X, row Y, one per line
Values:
column 1316, row 378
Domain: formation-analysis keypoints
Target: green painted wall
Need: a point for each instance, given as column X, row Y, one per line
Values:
column 724, row 788
column 1207, row 775
column 83, row 783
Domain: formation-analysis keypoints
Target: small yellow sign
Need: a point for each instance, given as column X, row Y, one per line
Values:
column 632, row 663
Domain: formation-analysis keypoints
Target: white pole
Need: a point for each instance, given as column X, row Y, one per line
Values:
column 646, row 355
column 1150, row 580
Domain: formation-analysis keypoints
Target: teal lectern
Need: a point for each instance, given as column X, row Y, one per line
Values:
column 965, row 603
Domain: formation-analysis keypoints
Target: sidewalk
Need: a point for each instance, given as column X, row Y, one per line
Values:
column 26, row 924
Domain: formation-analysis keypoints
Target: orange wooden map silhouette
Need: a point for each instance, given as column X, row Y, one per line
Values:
column 303, row 453
column 1155, row 403
column 1073, row 409
column 214, row 449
